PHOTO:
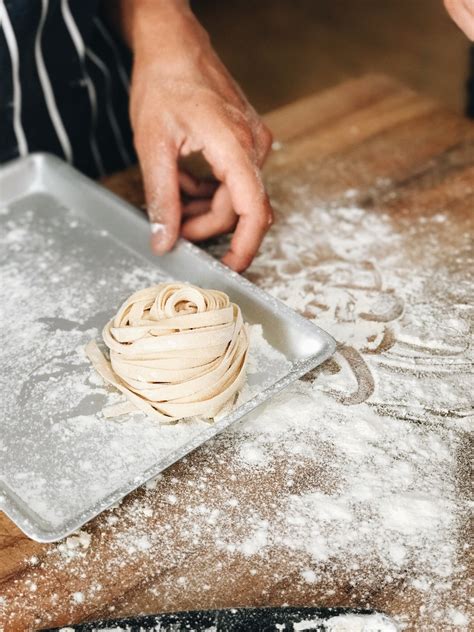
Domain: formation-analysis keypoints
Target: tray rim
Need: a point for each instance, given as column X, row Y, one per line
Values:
column 299, row 368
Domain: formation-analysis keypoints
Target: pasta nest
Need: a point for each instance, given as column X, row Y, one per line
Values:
column 176, row 351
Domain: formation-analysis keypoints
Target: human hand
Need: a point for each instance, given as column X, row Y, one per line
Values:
column 462, row 12
column 183, row 100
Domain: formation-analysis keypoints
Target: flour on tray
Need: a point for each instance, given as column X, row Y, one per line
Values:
column 57, row 270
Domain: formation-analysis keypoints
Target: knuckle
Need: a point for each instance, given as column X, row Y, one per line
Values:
column 262, row 221
column 244, row 137
column 265, row 136
column 240, row 131
column 154, row 140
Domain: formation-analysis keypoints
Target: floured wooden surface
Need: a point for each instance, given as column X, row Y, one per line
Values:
column 351, row 487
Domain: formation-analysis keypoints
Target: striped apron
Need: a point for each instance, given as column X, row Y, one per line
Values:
column 64, row 83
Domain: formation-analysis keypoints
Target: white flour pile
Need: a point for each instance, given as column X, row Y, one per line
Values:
column 347, row 489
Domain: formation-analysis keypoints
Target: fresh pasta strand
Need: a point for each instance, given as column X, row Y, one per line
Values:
column 176, row 351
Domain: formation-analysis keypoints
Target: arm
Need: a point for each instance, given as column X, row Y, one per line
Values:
column 462, row 12
column 183, row 100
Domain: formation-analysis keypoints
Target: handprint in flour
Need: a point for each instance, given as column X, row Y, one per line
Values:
column 348, row 300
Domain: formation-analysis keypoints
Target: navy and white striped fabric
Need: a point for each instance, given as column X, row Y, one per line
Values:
column 64, row 82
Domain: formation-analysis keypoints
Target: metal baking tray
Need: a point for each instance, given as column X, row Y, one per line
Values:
column 70, row 253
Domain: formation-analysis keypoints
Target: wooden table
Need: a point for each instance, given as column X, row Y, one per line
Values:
column 363, row 502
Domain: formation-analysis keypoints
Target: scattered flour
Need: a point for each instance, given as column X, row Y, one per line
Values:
column 349, row 623
column 456, row 617
column 78, row 597
column 309, row 576
column 359, row 623
column 75, row 545
column 349, row 488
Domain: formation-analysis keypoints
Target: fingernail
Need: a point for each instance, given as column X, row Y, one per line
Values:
column 158, row 237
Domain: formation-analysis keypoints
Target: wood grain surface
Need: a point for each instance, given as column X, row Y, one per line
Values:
column 283, row 51
column 404, row 160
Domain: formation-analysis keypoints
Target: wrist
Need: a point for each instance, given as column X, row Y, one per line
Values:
column 149, row 25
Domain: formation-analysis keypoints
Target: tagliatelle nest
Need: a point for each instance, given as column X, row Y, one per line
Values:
column 176, row 351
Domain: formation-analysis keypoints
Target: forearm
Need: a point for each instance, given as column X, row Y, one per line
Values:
column 152, row 29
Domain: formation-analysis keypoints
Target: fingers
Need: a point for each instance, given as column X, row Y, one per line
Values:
column 219, row 219
column 248, row 235
column 196, row 207
column 242, row 177
column 161, row 182
column 195, row 188
column 236, row 147
column 196, row 195
column 235, row 153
